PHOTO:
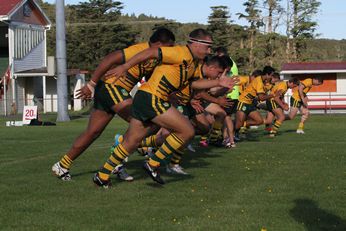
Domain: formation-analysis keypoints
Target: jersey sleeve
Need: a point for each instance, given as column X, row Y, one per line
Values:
column 131, row 51
column 259, row 86
column 173, row 55
column 307, row 82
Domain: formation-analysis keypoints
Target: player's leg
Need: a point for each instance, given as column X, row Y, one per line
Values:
column 229, row 127
column 136, row 131
column 305, row 115
column 219, row 115
column 280, row 117
column 254, row 119
column 97, row 122
column 268, row 121
column 240, row 118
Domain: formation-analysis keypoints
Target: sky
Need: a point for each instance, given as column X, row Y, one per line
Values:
column 331, row 17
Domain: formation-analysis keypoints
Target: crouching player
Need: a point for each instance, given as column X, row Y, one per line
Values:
column 276, row 106
column 299, row 101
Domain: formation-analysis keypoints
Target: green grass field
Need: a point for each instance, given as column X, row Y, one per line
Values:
column 291, row 182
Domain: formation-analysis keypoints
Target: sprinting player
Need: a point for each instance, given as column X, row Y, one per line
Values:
column 152, row 108
column 210, row 69
column 299, row 101
column 276, row 106
column 111, row 99
column 246, row 108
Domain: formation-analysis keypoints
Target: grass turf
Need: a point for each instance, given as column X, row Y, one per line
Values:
column 290, row 182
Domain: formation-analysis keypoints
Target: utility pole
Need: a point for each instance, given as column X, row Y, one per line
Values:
column 61, row 61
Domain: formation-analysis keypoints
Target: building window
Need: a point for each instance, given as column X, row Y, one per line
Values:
column 26, row 39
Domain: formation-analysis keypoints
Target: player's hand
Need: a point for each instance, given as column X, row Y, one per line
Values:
column 305, row 102
column 224, row 102
column 285, row 107
column 196, row 104
column 87, row 91
column 174, row 99
column 227, row 82
column 116, row 73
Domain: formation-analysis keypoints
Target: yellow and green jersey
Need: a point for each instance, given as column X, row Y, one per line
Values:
column 252, row 90
column 177, row 68
column 243, row 83
column 184, row 95
column 280, row 86
column 307, row 86
column 136, row 73
column 268, row 87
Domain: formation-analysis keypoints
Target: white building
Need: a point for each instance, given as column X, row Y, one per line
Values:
column 23, row 52
column 331, row 95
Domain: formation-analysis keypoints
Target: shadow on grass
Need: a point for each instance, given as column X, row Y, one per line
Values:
column 190, row 160
column 308, row 213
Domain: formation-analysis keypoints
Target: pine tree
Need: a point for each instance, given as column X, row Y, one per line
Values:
column 255, row 20
column 219, row 26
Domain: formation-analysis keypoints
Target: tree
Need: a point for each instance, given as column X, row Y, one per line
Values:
column 274, row 13
column 255, row 20
column 300, row 25
column 219, row 25
column 94, row 31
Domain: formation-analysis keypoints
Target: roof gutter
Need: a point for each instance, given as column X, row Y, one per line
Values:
column 311, row 71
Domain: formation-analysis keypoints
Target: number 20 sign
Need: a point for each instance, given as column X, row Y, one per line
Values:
column 29, row 113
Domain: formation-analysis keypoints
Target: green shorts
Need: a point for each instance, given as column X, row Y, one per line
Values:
column 147, row 106
column 246, row 108
column 295, row 103
column 107, row 95
column 187, row 110
column 232, row 109
column 271, row 104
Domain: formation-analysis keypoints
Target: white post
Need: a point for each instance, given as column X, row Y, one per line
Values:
column 5, row 97
column 44, row 93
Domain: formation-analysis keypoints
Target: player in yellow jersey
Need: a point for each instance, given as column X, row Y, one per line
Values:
column 276, row 106
column 151, row 106
column 299, row 101
column 246, row 108
column 110, row 99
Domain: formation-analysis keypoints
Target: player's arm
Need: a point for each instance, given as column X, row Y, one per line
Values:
column 149, row 53
column 263, row 96
column 114, row 58
column 280, row 102
column 222, row 101
column 301, row 94
column 223, row 81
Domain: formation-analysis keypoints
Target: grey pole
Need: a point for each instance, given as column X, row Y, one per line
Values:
column 61, row 62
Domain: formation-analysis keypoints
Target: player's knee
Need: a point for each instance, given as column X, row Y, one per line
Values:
column 189, row 133
column 260, row 121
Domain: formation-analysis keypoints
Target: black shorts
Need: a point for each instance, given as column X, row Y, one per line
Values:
column 187, row 110
column 295, row 103
column 232, row 109
column 147, row 106
column 271, row 104
column 246, row 108
column 107, row 95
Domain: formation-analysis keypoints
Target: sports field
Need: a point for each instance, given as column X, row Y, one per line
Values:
column 291, row 182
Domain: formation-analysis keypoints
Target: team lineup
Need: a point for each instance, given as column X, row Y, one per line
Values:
column 189, row 90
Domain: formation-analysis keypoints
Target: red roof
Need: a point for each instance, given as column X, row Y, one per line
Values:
column 6, row 6
column 314, row 66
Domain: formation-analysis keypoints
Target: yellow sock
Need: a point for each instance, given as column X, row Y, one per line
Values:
column 171, row 145
column 149, row 141
column 276, row 126
column 65, row 162
column 116, row 158
column 215, row 131
column 301, row 126
column 176, row 157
